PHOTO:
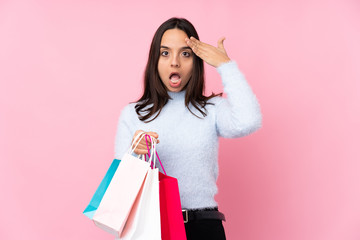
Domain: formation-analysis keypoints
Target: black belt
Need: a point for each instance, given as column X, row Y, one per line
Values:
column 191, row 215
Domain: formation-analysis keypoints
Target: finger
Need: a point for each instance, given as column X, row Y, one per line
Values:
column 199, row 52
column 153, row 134
column 145, row 145
column 190, row 43
column 221, row 43
column 193, row 42
column 136, row 133
column 142, row 146
column 141, row 151
column 151, row 137
column 197, row 43
column 201, row 48
column 195, row 50
column 194, row 47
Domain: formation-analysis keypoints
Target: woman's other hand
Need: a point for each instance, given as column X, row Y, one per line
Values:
column 141, row 147
column 215, row 56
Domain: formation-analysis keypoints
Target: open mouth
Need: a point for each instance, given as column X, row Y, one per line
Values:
column 175, row 79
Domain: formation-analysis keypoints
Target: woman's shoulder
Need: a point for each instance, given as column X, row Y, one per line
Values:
column 130, row 106
column 215, row 100
column 128, row 111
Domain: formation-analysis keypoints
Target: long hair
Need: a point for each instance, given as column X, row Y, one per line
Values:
column 155, row 94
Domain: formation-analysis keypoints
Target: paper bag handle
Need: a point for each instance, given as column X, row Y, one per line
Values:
column 154, row 151
column 137, row 139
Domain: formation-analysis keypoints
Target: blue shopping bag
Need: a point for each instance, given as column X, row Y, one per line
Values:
column 99, row 194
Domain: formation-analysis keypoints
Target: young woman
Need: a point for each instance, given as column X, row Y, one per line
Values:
column 174, row 110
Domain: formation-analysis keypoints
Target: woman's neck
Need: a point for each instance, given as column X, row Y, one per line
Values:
column 176, row 96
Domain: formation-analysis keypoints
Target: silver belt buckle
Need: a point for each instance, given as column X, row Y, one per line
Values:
column 186, row 215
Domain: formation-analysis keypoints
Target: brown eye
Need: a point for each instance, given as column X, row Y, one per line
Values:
column 164, row 53
column 186, row 54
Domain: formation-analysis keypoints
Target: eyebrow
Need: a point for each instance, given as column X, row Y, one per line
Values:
column 180, row 48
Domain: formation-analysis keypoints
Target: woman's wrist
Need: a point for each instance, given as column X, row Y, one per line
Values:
column 227, row 60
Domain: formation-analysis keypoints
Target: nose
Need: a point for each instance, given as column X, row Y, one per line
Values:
column 175, row 61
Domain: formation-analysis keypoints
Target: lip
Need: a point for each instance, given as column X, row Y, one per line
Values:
column 174, row 73
column 175, row 85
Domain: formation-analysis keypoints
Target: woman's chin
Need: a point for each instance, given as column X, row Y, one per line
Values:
column 174, row 89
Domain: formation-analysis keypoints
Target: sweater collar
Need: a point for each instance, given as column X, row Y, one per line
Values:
column 177, row 96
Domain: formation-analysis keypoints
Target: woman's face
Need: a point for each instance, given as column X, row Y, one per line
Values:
column 175, row 61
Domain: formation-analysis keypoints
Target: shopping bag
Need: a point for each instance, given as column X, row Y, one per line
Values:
column 115, row 206
column 172, row 222
column 143, row 222
column 100, row 191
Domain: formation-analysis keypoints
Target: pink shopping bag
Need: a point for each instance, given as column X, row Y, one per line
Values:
column 121, row 193
column 143, row 222
column 172, row 222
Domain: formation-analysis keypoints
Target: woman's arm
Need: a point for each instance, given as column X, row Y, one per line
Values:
column 125, row 135
column 239, row 114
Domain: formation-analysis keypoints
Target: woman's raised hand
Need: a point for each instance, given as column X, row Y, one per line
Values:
column 215, row 56
column 141, row 147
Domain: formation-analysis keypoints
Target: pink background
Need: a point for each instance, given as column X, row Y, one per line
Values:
column 68, row 67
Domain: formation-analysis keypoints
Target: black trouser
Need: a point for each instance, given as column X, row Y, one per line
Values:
column 208, row 229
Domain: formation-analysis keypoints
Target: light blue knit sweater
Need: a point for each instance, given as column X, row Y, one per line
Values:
column 188, row 145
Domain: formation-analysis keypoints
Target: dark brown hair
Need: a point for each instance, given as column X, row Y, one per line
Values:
column 155, row 94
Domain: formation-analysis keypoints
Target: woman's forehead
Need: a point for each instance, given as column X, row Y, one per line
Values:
column 172, row 38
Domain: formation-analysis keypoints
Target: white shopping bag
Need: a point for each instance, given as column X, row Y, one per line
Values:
column 122, row 191
column 143, row 222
